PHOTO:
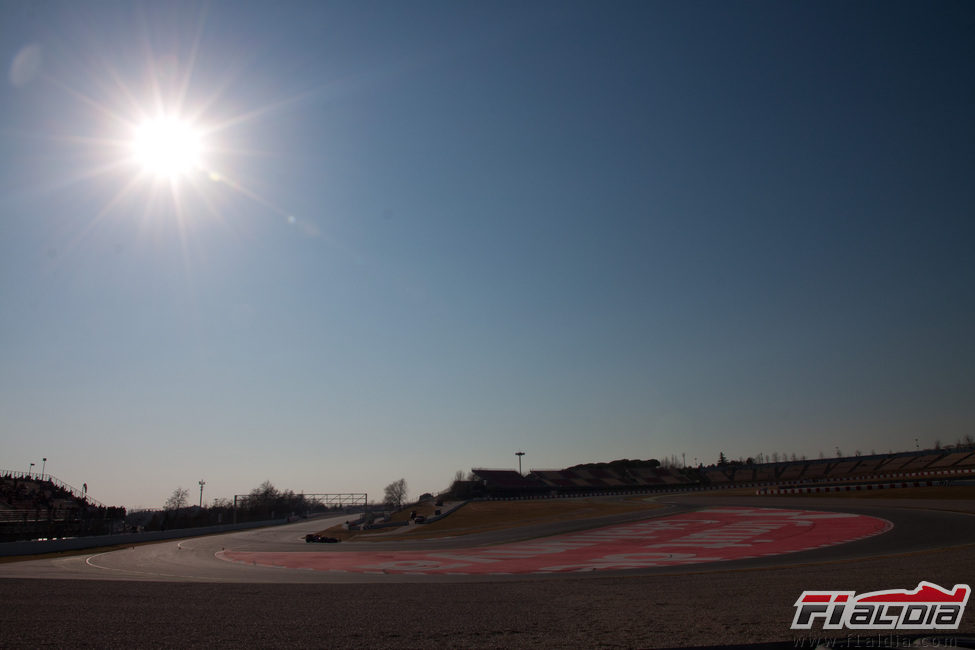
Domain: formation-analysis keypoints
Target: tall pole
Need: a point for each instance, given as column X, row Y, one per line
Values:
column 519, row 454
column 43, row 468
column 30, row 470
column 202, row 483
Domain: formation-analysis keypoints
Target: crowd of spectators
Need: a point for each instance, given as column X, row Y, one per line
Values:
column 20, row 493
column 32, row 505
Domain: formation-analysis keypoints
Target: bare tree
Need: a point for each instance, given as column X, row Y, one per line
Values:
column 266, row 493
column 395, row 493
column 178, row 499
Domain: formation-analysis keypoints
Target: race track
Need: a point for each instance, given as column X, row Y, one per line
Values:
column 491, row 591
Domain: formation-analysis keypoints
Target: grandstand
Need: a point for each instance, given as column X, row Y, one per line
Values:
column 618, row 476
column 956, row 459
column 716, row 476
column 637, row 475
column 744, row 474
column 792, row 471
column 508, row 480
column 895, row 463
column 645, row 477
column 816, row 470
column 921, row 462
column 555, row 479
column 843, row 468
column 32, row 506
column 868, row 466
column 859, row 468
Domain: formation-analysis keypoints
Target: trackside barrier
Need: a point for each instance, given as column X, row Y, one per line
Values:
column 76, row 543
column 430, row 520
column 612, row 493
column 849, row 488
column 385, row 524
column 393, row 524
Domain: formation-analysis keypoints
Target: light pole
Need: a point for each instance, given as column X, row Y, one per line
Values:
column 43, row 468
column 519, row 454
column 202, row 483
column 30, row 471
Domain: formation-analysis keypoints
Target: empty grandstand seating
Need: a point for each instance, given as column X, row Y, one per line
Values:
column 816, row 469
column 920, row 462
column 967, row 461
column 895, row 464
column 645, row 475
column 956, row 458
column 867, row 466
column 792, row 471
column 843, row 468
column 744, row 474
column 554, row 478
column 501, row 479
column 715, row 475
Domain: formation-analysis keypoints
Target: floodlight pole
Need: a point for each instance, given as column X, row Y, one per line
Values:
column 30, row 471
column 202, row 483
column 519, row 454
column 43, row 468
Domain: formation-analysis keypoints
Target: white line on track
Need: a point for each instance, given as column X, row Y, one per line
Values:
column 88, row 561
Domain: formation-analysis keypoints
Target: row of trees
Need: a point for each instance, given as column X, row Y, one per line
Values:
column 263, row 502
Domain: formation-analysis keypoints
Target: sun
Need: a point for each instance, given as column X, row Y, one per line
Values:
column 167, row 147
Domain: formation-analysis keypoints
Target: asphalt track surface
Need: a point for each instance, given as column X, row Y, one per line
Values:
column 178, row 594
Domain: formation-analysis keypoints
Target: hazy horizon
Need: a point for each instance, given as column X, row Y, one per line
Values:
column 419, row 238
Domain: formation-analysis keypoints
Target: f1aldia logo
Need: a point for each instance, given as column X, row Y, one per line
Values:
column 929, row 607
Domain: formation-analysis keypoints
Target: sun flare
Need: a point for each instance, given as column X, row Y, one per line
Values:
column 167, row 147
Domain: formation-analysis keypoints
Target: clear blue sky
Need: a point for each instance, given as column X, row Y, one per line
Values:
column 426, row 235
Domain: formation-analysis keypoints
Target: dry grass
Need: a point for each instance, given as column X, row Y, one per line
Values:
column 484, row 516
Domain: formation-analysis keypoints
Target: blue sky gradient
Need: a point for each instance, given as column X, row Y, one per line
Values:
column 431, row 234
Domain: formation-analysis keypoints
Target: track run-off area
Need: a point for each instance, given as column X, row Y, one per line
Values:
column 674, row 534
column 705, row 569
column 707, row 535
